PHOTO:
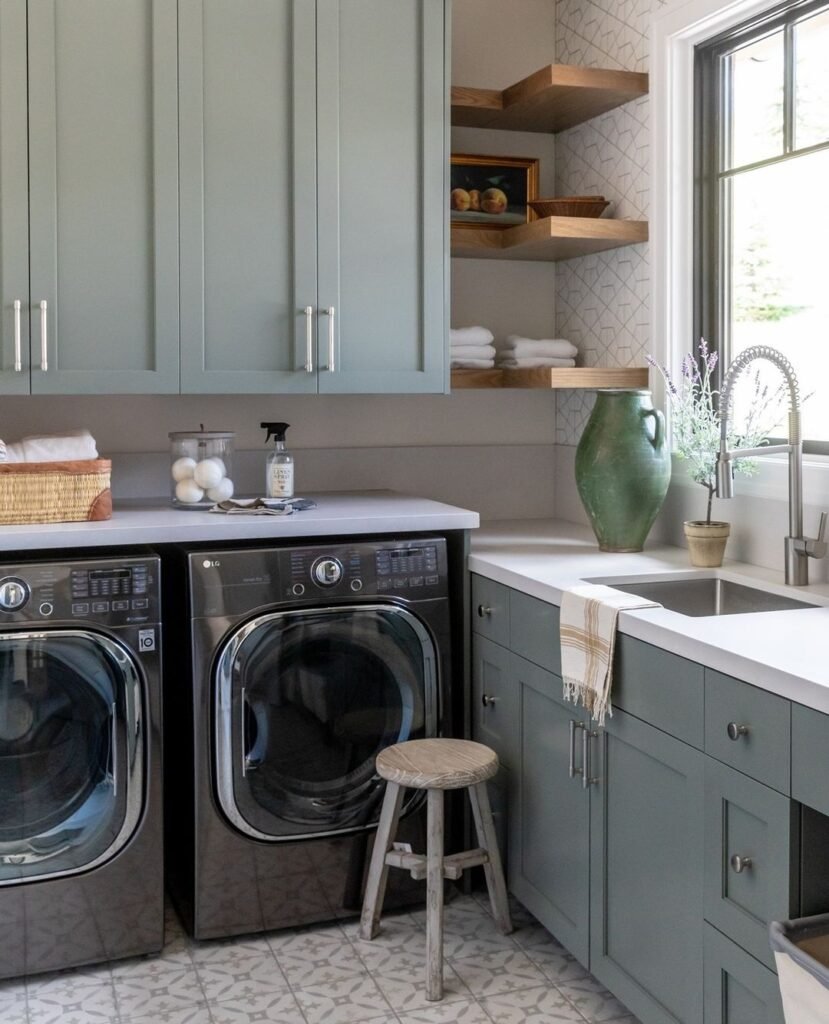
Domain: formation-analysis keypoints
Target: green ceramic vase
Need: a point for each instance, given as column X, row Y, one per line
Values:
column 623, row 468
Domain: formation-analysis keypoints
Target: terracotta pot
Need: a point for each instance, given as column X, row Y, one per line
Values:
column 706, row 542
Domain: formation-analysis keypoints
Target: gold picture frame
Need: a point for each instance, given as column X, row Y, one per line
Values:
column 491, row 191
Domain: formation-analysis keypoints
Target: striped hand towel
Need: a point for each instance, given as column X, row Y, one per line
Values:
column 588, row 637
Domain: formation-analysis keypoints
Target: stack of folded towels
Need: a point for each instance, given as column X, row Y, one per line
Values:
column 528, row 353
column 471, row 348
column 79, row 444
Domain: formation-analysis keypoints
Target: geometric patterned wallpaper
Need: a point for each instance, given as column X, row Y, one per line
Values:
column 603, row 301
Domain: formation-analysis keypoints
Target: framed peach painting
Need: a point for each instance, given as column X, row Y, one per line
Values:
column 491, row 191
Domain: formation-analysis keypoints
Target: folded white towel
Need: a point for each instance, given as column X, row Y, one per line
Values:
column 588, row 636
column 472, row 364
column 532, row 363
column 558, row 347
column 472, row 351
column 79, row 444
column 471, row 336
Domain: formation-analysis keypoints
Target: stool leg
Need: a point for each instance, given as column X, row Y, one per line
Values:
column 493, row 870
column 434, row 895
column 378, row 871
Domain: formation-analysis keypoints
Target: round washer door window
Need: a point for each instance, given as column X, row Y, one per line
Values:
column 71, row 752
column 305, row 700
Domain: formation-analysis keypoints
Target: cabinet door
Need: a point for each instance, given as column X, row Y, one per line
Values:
column 549, row 854
column 495, row 716
column 647, row 877
column 14, row 202
column 248, row 195
column 738, row 990
column 382, row 109
column 103, row 162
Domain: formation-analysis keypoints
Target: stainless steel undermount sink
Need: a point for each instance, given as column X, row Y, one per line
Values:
column 708, row 596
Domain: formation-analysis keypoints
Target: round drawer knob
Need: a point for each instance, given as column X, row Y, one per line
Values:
column 484, row 611
column 488, row 701
column 735, row 731
column 740, row 864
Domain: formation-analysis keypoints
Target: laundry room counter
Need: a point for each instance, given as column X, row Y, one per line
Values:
column 156, row 522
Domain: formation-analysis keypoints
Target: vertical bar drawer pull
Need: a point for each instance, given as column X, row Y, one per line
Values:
column 309, row 339
column 735, row 731
column 572, row 770
column 18, row 351
column 44, row 338
column 586, row 736
column 332, row 339
column 740, row 864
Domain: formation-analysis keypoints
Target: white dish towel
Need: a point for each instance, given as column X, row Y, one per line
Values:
column 78, row 444
column 532, row 363
column 471, row 336
column 518, row 347
column 589, row 613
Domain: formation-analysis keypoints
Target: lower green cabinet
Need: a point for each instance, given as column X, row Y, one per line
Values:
column 647, row 871
column 738, row 989
column 550, row 851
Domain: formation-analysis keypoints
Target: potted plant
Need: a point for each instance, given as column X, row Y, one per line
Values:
column 696, row 436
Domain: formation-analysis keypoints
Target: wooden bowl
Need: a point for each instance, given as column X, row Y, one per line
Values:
column 570, row 206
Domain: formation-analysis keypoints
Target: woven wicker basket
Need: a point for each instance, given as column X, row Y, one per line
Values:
column 55, row 492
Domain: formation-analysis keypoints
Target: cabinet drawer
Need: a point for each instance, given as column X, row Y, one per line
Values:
column 490, row 609
column 737, row 990
column 748, row 729
column 750, row 857
column 660, row 688
column 494, row 700
column 534, row 631
column 810, row 758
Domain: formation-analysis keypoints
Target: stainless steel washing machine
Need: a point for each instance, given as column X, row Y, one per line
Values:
column 305, row 662
column 81, row 860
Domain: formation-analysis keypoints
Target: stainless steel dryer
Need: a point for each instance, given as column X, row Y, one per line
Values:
column 305, row 662
column 80, row 763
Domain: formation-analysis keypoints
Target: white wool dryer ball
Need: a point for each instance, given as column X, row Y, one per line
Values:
column 208, row 473
column 182, row 469
column 222, row 491
column 188, row 492
column 220, row 464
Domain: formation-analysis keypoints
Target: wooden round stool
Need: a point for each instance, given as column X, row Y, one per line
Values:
column 435, row 765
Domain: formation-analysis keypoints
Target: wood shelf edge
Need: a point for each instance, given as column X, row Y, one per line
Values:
column 550, row 238
column 552, row 378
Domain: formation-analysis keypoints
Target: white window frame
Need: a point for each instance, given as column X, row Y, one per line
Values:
column 674, row 34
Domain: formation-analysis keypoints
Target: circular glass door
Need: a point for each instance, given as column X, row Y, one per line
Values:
column 305, row 700
column 71, row 752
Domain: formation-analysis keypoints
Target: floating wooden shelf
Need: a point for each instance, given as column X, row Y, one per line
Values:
column 551, row 238
column 554, row 98
column 552, row 378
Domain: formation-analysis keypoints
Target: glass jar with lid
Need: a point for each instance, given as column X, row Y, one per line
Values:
column 201, row 467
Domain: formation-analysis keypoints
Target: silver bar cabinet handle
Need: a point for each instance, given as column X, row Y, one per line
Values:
column 586, row 736
column 309, row 339
column 332, row 354
column 573, row 771
column 44, row 338
column 18, row 351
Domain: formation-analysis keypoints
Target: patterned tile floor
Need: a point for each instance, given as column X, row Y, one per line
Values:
column 328, row 975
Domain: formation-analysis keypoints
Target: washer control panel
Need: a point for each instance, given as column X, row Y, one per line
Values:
column 14, row 593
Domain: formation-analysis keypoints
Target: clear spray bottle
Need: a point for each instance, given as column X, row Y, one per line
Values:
column 279, row 469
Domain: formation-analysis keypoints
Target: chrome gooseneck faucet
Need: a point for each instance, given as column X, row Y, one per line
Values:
column 798, row 549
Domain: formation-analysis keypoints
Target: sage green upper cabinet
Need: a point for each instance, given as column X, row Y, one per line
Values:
column 313, row 163
column 248, row 195
column 381, row 90
column 14, row 201
column 103, row 196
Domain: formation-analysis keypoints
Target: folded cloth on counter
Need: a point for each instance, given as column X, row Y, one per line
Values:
column 472, row 351
column 263, row 506
column 463, row 336
column 72, row 447
column 589, row 613
column 517, row 347
column 462, row 363
column 530, row 363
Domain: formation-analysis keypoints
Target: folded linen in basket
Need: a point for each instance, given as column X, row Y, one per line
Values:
column 531, row 363
column 560, row 348
column 464, row 336
column 462, row 363
column 72, row 447
column 589, row 613
column 472, row 351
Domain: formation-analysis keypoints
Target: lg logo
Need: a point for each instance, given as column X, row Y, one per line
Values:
column 208, row 564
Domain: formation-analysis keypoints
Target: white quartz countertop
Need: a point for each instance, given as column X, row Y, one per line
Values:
column 156, row 522
column 784, row 652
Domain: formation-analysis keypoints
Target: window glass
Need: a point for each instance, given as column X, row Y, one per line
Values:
column 753, row 127
column 811, row 47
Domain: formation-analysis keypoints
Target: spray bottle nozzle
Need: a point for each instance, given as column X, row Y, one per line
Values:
column 275, row 430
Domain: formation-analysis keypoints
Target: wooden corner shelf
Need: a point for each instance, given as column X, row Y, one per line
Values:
column 577, row 377
column 550, row 238
column 555, row 97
